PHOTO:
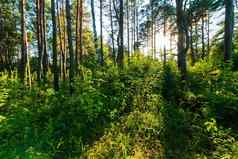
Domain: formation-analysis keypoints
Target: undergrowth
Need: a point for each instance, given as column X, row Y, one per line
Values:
column 142, row 111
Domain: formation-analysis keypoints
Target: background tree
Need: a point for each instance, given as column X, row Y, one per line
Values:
column 120, row 56
column 54, row 46
column 70, row 44
column 229, row 27
column 23, row 63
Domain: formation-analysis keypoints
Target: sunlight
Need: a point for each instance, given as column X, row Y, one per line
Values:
column 162, row 41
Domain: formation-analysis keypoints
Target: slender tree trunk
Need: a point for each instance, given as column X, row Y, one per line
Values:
column 203, row 39
column 60, row 39
column 23, row 62
column 45, row 54
column 148, row 39
column 39, row 41
column 181, row 39
column 95, row 31
column 152, row 40
column 193, row 58
column 64, row 55
column 208, row 33
column 101, row 34
column 128, row 30
column 196, row 40
column 70, row 44
column 137, row 23
column 134, row 23
column 112, row 34
column 28, row 68
column 80, row 31
column 41, row 23
column 54, row 46
column 152, row 30
column 165, row 53
column 121, row 46
column 132, row 33
column 77, row 36
column 155, row 32
column 229, row 27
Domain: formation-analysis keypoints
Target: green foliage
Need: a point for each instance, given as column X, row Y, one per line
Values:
column 137, row 112
column 169, row 88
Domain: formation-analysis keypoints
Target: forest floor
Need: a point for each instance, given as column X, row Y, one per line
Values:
column 141, row 112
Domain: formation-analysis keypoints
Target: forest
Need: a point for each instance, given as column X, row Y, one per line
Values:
column 118, row 79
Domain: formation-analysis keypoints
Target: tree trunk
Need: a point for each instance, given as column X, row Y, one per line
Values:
column 208, row 33
column 112, row 33
column 155, row 33
column 121, row 40
column 45, row 54
column 77, row 36
column 203, row 39
column 128, row 30
column 193, row 58
column 81, row 31
column 95, row 31
column 152, row 40
column 196, row 39
column 165, row 53
column 70, row 44
column 181, row 39
column 28, row 71
column 137, row 23
column 101, row 34
column 23, row 62
column 39, row 41
column 152, row 30
column 64, row 55
column 132, row 32
column 60, row 39
column 134, row 23
column 229, row 27
column 54, row 47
